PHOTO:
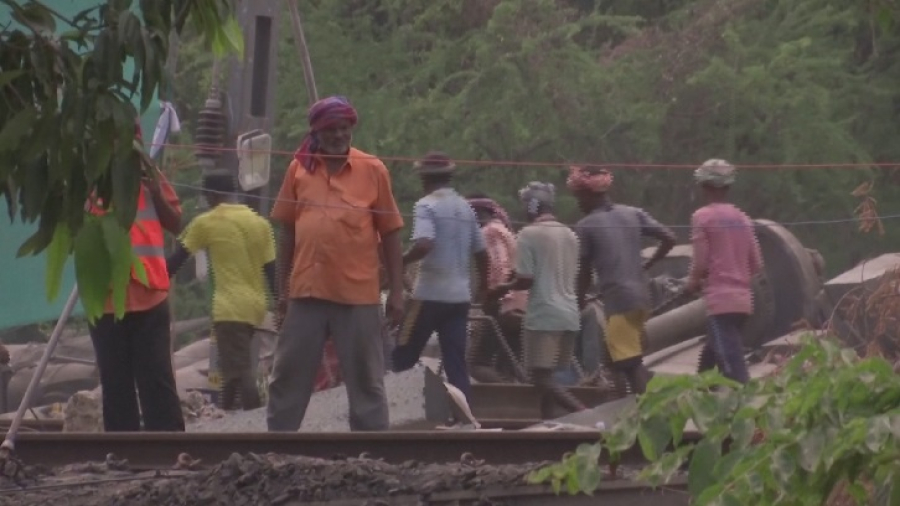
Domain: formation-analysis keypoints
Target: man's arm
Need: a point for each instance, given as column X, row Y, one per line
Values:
column 481, row 256
column 423, row 235
column 269, row 270
column 585, row 268
column 270, row 267
column 284, row 212
column 177, row 259
column 756, row 259
column 525, row 262
column 285, row 260
column 652, row 228
column 389, row 223
column 193, row 239
column 165, row 200
column 700, row 256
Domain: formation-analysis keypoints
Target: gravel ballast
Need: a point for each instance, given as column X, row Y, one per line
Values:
column 328, row 409
column 250, row 479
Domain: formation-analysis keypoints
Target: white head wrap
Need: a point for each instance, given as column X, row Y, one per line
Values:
column 716, row 172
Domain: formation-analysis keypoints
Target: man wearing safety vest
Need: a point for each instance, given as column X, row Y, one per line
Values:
column 135, row 351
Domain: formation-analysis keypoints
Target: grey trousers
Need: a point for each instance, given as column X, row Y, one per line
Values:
column 355, row 331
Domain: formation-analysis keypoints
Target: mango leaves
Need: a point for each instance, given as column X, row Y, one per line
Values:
column 68, row 126
column 827, row 422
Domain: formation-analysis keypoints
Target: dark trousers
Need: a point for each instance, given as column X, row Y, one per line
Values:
column 234, row 342
column 135, row 352
column 450, row 321
column 724, row 346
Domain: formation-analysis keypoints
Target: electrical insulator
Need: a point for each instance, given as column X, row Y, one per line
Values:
column 209, row 138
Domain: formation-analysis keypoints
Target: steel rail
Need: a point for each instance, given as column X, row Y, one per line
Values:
column 161, row 450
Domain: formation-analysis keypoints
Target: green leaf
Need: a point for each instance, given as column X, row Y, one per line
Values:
column 811, row 448
column 654, row 436
column 677, row 423
column 704, row 411
column 895, row 493
column 100, row 151
column 118, row 246
column 36, row 16
column 783, row 466
column 126, row 186
column 17, row 127
column 588, row 476
column 709, row 494
column 139, row 271
column 92, row 268
column 229, row 38
column 742, row 433
column 35, row 243
column 703, row 462
column 57, row 255
column 572, row 486
column 877, row 434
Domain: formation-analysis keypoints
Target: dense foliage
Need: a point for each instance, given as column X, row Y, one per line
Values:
column 827, row 419
column 512, row 83
column 68, row 125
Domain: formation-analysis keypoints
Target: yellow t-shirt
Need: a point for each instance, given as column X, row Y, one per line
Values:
column 239, row 243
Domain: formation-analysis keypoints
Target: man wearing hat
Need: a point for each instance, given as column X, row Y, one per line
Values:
column 445, row 238
column 610, row 239
column 726, row 257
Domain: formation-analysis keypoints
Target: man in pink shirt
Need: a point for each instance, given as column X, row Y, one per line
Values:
column 726, row 257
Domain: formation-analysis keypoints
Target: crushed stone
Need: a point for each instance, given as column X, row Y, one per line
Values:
column 328, row 409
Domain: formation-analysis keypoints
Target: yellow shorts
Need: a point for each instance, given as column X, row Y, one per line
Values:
column 624, row 335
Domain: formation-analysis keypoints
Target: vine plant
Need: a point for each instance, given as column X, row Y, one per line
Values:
column 828, row 420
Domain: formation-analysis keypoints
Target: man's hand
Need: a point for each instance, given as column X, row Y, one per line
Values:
column 280, row 312
column 152, row 184
column 394, row 308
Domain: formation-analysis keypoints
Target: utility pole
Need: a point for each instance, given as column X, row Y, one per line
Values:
column 303, row 52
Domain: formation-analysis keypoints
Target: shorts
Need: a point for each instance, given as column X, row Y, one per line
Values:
column 548, row 349
column 624, row 335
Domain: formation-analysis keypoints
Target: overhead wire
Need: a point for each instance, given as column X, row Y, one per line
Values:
column 569, row 225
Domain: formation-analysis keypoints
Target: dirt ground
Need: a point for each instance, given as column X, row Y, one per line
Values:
column 245, row 480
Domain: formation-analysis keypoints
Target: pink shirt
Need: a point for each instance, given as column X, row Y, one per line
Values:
column 501, row 250
column 726, row 257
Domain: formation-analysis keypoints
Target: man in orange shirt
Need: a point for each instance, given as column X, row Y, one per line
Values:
column 334, row 206
column 136, row 350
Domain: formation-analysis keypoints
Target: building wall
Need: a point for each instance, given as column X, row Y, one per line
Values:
column 23, row 297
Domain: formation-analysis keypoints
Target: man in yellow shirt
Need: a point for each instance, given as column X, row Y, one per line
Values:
column 241, row 248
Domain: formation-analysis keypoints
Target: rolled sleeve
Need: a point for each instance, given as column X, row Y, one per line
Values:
column 387, row 215
column 423, row 222
column 285, row 209
column 194, row 237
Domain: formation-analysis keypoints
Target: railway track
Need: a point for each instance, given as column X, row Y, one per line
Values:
column 154, row 452
column 160, row 450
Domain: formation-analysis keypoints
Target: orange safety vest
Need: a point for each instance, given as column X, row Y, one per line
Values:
column 147, row 241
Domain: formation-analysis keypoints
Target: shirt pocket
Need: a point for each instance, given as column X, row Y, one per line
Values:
column 354, row 213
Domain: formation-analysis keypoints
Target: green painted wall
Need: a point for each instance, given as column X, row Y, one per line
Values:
column 23, row 298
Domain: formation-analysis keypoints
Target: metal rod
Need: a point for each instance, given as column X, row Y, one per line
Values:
column 9, row 444
column 303, row 50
